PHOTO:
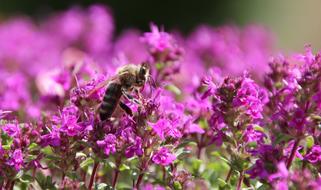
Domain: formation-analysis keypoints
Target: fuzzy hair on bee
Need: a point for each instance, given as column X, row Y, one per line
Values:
column 133, row 76
column 128, row 78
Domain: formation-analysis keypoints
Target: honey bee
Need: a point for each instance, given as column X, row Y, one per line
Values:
column 128, row 78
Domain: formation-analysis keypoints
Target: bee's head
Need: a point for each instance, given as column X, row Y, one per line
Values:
column 143, row 75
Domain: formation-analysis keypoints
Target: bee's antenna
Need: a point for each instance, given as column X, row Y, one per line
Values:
column 151, row 83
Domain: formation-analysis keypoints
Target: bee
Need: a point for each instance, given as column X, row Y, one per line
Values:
column 128, row 78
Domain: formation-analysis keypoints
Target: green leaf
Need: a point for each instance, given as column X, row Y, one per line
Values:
column 31, row 157
column 216, row 154
column 186, row 143
column 309, row 141
column 181, row 152
column 134, row 174
column 86, row 163
column 177, row 185
column 81, row 155
column 33, row 146
column 258, row 128
column 174, row 89
column 102, row 186
column 26, row 178
column 124, row 167
column 19, row 174
column 224, row 159
column 203, row 123
column 196, row 164
column 252, row 144
column 72, row 175
column 221, row 182
column 6, row 147
column 159, row 65
column 280, row 137
column 264, row 187
column 82, row 185
column 47, row 151
column 6, row 141
column 112, row 165
column 45, row 182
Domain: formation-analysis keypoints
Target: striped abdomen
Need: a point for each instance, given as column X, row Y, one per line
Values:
column 110, row 101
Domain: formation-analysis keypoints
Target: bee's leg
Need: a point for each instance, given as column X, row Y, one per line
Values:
column 126, row 108
column 131, row 98
column 138, row 93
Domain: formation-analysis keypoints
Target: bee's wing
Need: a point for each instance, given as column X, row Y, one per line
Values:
column 99, row 86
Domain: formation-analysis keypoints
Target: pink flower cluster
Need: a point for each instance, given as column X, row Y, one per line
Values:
column 207, row 118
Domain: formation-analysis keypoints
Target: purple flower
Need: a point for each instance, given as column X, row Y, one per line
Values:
column 197, row 106
column 299, row 120
column 68, row 120
column 10, row 98
column 165, row 128
column 161, row 45
column 88, row 91
column 129, row 46
column 163, row 157
column 68, row 25
column 208, row 81
column 305, row 180
column 230, row 49
column 190, row 127
column 53, row 83
column 13, row 130
column 152, row 187
column 280, row 179
column 128, row 134
column 250, row 97
column 16, row 159
column 252, row 135
column 71, row 129
column 158, row 41
column 307, row 57
column 135, row 149
column 99, row 30
column 287, row 151
column 108, row 144
column 258, row 170
column 317, row 99
column 268, row 155
column 217, row 121
column 218, row 138
column 52, row 139
column 1, row 150
column 3, row 113
column 314, row 155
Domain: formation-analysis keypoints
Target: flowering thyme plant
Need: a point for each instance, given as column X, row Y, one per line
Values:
column 207, row 119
